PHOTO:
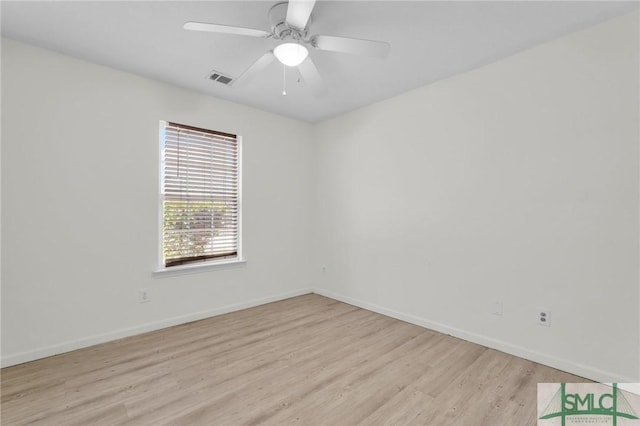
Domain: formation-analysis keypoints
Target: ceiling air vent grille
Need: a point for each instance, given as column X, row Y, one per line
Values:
column 220, row 78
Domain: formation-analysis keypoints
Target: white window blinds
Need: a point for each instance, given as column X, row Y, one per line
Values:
column 200, row 194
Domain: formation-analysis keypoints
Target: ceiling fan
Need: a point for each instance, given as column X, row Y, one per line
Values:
column 290, row 27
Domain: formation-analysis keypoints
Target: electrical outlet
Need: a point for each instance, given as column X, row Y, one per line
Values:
column 144, row 295
column 543, row 317
column 497, row 308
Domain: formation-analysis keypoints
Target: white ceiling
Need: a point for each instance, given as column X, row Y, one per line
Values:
column 429, row 41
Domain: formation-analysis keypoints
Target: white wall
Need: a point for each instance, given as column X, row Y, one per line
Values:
column 517, row 182
column 80, row 200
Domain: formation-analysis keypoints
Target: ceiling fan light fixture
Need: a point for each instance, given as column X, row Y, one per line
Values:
column 291, row 54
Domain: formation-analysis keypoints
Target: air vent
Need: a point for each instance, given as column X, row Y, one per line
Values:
column 220, row 78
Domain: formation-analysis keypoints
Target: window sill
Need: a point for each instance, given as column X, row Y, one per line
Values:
column 195, row 268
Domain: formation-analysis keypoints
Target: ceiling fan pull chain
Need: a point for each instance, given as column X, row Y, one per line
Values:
column 284, row 80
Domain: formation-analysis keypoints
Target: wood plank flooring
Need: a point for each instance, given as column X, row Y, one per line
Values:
column 308, row 360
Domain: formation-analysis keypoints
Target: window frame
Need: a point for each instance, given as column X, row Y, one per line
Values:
column 204, row 265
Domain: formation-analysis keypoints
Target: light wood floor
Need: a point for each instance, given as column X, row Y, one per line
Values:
column 308, row 360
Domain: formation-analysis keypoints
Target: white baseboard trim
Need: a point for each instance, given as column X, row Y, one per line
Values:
column 47, row 351
column 519, row 351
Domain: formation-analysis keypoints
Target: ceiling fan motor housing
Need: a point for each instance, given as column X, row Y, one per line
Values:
column 282, row 30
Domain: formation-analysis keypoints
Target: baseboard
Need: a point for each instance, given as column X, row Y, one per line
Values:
column 44, row 352
column 519, row 351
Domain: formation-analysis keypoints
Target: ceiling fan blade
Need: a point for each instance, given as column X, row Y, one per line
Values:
column 312, row 77
column 379, row 49
column 256, row 67
column 298, row 13
column 225, row 29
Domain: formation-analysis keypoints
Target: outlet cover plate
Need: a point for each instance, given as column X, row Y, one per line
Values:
column 543, row 317
column 144, row 295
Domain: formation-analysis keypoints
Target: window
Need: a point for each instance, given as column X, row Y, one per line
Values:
column 200, row 194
